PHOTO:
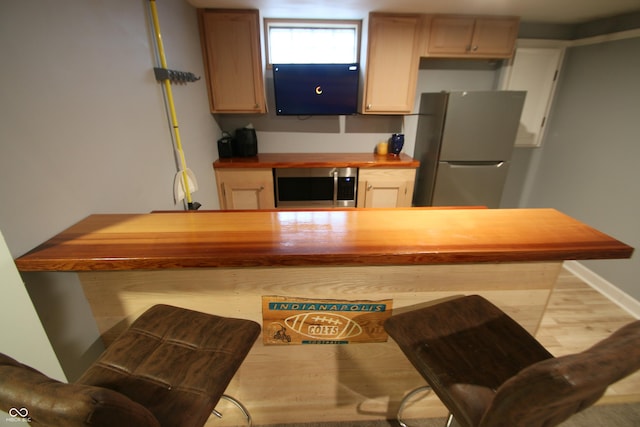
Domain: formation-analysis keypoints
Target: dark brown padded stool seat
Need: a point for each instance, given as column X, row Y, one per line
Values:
column 169, row 368
column 489, row 371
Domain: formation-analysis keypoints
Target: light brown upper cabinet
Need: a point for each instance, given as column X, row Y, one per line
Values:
column 393, row 56
column 453, row 36
column 232, row 58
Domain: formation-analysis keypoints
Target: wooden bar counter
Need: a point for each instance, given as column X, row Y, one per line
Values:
column 224, row 263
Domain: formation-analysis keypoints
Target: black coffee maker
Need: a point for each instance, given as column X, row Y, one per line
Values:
column 245, row 143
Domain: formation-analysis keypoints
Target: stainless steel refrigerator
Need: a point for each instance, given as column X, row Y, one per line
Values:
column 464, row 142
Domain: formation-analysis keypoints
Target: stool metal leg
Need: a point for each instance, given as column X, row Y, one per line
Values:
column 406, row 399
column 239, row 405
column 449, row 420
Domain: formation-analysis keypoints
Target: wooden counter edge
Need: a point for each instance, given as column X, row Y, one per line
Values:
column 620, row 251
column 313, row 160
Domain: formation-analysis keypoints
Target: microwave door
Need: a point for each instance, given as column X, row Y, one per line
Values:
column 469, row 183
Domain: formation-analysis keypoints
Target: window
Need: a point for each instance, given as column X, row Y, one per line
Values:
column 292, row 41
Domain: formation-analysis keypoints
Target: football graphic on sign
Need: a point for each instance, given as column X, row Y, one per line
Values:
column 288, row 320
column 323, row 325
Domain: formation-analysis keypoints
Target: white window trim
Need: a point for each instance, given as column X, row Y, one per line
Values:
column 311, row 23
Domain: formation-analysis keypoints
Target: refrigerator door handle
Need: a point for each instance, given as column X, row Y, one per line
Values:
column 474, row 164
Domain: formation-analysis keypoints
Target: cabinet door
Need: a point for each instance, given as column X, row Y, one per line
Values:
column 494, row 37
column 385, row 188
column 245, row 195
column 233, row 62
column 450, row 35
column 535, row 70
column 245, row 189
column 392, row 64
column 465, row 36
column 385, row 194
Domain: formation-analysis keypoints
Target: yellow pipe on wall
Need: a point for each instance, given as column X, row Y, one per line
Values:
column 172, row 110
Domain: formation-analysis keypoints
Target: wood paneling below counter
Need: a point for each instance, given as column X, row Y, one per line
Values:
column 334, row 382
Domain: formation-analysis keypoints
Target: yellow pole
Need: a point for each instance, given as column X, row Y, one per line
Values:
column 172, row 110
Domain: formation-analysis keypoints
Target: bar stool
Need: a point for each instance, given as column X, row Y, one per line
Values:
column 169, row 368
column 489, row 371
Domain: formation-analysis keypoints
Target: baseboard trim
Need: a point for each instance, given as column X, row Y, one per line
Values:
column 606, row 288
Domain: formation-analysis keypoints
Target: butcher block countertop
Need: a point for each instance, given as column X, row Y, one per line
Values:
column 311, row 160
column 411, row 236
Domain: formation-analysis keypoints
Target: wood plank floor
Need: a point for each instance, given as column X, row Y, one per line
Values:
column 577, row 317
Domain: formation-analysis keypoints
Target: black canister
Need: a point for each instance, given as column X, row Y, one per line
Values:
column 225, row 147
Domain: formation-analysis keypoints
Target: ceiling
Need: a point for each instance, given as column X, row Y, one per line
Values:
column 545, row 11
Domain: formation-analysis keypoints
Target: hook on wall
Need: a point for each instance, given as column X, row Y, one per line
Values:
column 174, row 76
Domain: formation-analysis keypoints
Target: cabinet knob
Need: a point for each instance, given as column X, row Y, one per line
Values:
column 261, row 188
column 369, row 187
column 474, row 48
column 368, row 106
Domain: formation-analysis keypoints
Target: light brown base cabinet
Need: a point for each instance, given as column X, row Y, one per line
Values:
column 248, row 183
column 253, row 188
column 245, row 188
column 385, row 188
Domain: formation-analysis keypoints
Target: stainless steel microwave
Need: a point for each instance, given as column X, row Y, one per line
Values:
column 316, row 187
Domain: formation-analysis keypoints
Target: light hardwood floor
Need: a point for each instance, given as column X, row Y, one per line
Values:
column 577, row 317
